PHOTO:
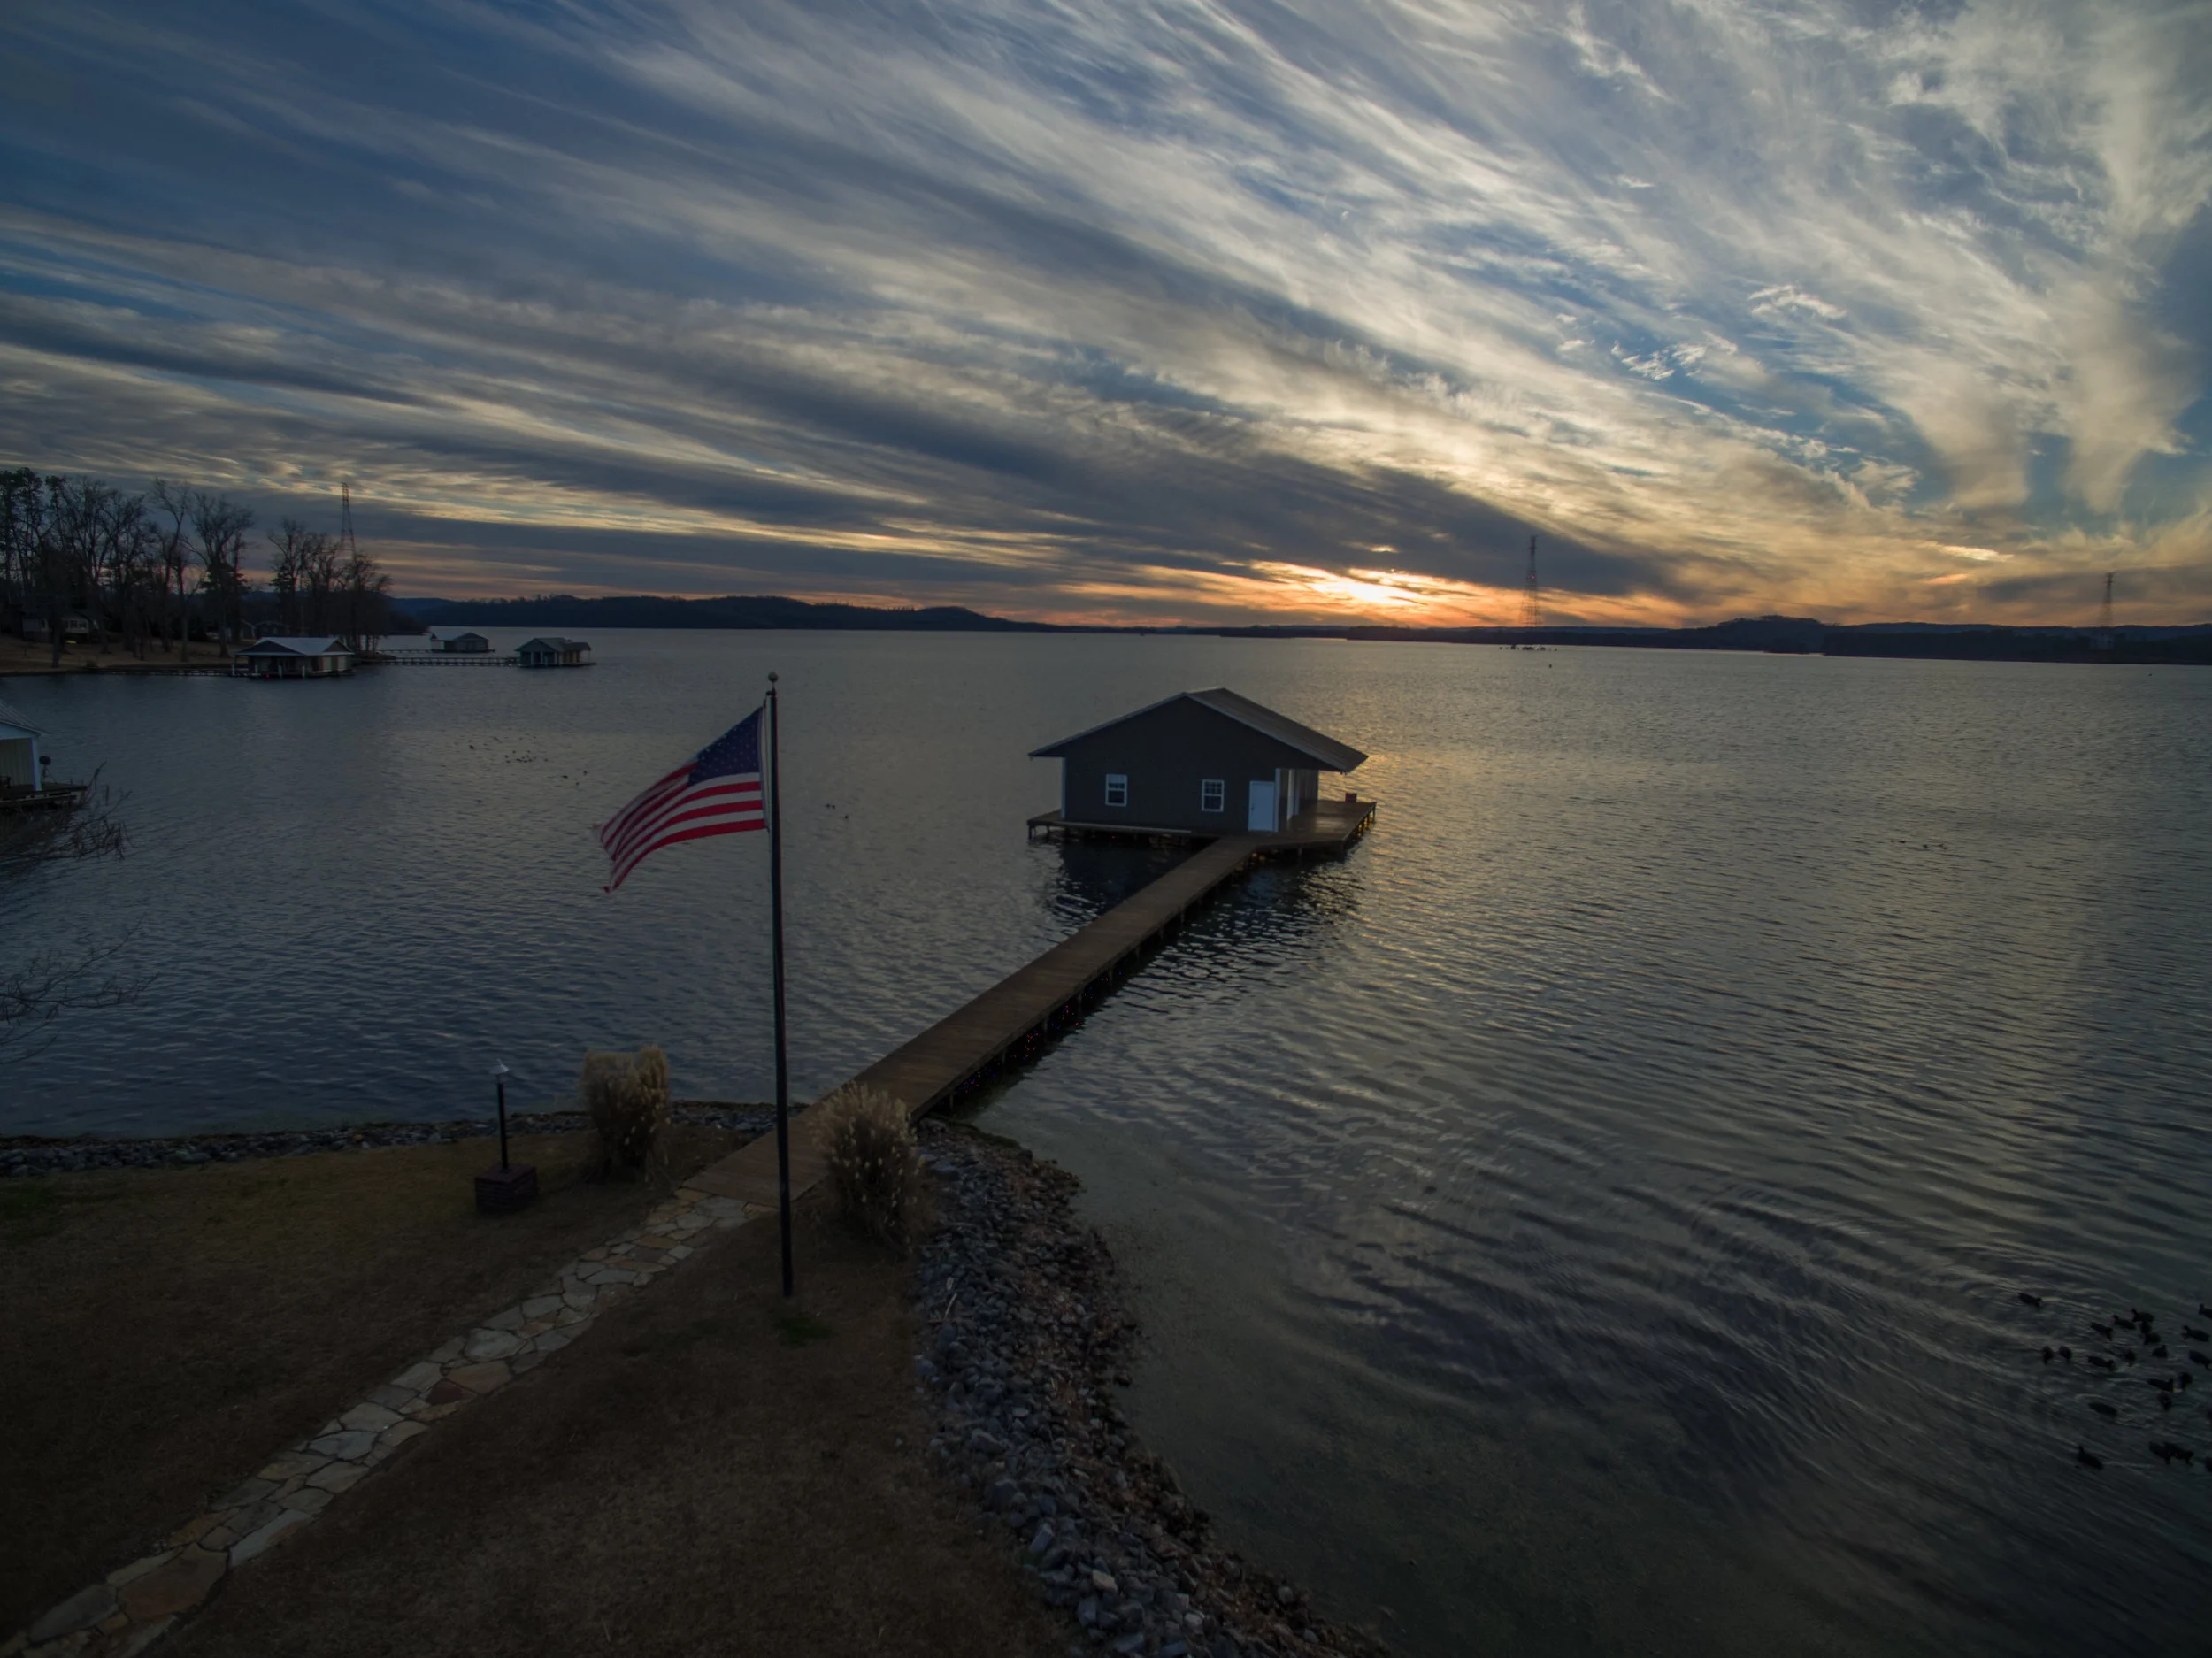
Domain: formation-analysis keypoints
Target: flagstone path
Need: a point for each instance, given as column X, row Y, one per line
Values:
column 134, row 1606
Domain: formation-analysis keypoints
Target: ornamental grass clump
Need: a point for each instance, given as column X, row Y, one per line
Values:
column 867, row 1140
column 627, row 1097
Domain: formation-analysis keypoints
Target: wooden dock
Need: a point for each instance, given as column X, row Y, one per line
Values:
column 1017, row 1017
column 437, row 659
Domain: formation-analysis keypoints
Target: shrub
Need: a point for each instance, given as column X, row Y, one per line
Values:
column 627, row 1097
column 867, row 1140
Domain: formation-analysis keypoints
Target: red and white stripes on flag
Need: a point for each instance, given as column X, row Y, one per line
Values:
column 715, row 793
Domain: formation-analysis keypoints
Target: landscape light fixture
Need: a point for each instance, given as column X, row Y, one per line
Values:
column 507, row 1188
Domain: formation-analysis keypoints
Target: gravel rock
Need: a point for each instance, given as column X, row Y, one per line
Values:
column 29, row 1154
column 1025, row 1337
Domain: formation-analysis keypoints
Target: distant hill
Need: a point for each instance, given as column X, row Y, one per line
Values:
column 1795, row 635
column 566, row 610
column 1800, row 636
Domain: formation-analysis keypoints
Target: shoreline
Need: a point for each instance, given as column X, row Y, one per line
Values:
column 23, row 660
column 29, row 1154
column 1022, row 1336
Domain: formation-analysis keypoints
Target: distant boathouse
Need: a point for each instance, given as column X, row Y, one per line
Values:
column 19, row 755
column 554, row 653
column 291, row 656
column 464, row 644
column 1199, row 764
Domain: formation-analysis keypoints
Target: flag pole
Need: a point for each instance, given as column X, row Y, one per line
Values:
column 775, row 946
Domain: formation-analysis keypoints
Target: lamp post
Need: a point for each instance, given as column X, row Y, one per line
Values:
column 511, row 1187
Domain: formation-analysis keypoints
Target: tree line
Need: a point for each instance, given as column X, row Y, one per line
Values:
column 169, row 564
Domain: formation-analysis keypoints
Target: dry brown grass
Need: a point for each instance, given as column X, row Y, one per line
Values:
column 163, row 1331
column 627, row 1097
column 704, row 1473
column 867, row 1138
column 20, row 656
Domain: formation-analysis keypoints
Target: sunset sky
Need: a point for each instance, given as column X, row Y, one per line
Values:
column 1104, row 310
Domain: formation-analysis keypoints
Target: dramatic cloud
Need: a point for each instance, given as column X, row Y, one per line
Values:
column 1195, row 310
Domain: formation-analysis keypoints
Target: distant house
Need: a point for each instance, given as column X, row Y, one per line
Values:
column 292, row 657
column 464, row 644
column 19, row 754
column 1200, row 762
column 74, row 625
column 554, row 653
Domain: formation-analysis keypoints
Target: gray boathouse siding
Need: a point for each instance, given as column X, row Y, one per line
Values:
column 1167, row 754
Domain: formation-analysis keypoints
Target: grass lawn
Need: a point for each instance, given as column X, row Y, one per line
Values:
column 166, row 1330
column 21, row 656
column 709, row 1470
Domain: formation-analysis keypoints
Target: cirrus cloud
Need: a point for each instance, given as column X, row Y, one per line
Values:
column 1157, row 311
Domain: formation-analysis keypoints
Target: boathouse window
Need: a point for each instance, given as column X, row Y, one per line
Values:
column 1213, row 794
column 1116, row 788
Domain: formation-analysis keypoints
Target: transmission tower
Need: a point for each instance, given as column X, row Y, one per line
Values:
column 1532, row 596
column 345, row 520
column 2104, row 620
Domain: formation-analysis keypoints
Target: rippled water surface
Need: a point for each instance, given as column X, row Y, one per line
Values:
column 1589, row 1218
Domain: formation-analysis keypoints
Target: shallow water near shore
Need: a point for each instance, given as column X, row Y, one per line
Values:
column 1587, row 1218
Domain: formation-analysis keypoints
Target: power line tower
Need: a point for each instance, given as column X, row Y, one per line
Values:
column 1532, row 596
column 345, row 521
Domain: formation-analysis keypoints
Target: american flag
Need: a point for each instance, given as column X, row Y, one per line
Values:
column 715, row 793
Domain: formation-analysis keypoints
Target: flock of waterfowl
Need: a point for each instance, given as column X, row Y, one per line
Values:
column 2134, row 1343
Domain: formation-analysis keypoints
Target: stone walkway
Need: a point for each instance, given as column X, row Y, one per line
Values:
column 141, row 1603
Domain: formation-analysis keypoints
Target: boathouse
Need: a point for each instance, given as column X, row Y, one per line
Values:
column 464, row 644
column 1201, row 762
column 554, row 653
column 293, row 656
column 19, row 755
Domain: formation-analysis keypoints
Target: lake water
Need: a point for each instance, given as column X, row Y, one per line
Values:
column 1587, row 1219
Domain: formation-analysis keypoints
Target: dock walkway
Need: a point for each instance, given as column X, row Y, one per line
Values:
column 439, row 659
column 1028, row 1007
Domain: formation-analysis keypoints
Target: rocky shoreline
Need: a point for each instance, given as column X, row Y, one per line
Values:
column 1023, row 1341
column 31, row 1154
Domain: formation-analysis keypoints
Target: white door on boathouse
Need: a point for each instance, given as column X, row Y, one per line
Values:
column 1259, row 814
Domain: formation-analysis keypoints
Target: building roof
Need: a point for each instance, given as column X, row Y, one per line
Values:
column 551, row 643
column 438, row 633
column 298, row 645
column 11, row 716
column 1326, row 752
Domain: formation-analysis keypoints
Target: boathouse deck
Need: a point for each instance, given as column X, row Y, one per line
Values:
column 1326, row 826
column 1027, row 1009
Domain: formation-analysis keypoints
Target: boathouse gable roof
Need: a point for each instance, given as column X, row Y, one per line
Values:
column 13, row 719
column 297, row 645
column 1326, row 753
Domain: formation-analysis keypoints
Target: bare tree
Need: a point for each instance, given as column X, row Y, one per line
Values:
column 67, row 552
column 318, row 575
column 22, row 510
column 297, row 551
column 28, row 504
column 220, row 526
column 176, row 502
column 38, row 843
column 367, row 590
column 130, row 567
